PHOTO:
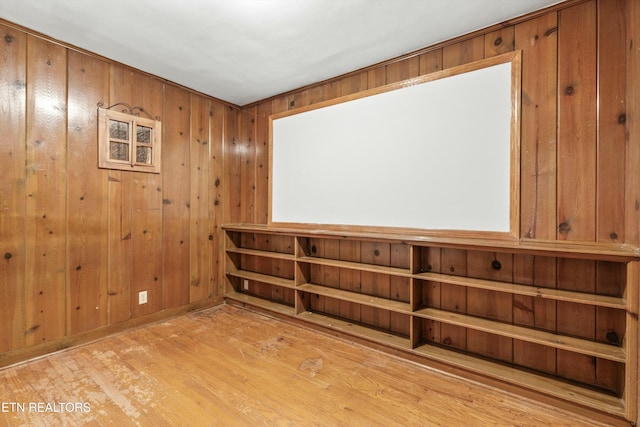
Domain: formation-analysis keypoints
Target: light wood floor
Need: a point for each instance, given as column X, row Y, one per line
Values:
column 231, row 367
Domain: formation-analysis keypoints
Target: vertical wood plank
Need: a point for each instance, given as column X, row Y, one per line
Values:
column 217, row 198
column 262, row 163
column 403, row 70
column 375, row 284
column 499, row 42
column 247, row 163
column 611, row 121
column 120, row 216
column 200, row 146
column 577, row 122
column 535, row 312
column 232, row 167
column 46, row 213
column 176, row 199
column 632, row 122
column 147, row 211
column 453, row 298
column 537, row 39
column 463, row 52
column 576, row 319
column 430, row 62
column 87, row 204
column 13, row 75
column 350, row 280
column 376, row 77
column 353, row 84
column 489, row 304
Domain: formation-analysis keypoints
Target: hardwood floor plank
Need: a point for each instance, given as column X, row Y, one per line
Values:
column 232, row 367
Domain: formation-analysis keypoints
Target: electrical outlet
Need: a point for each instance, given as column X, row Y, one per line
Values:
column 142, row 297
column 245, row 285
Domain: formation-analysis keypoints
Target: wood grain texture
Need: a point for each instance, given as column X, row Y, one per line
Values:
column 611, row 121
column 538, row 41
column 13, row 197
column 199, row 205
column 88, row 84
column 176, row 201
column 46, row 188
column 169, row 374
column 577, row 122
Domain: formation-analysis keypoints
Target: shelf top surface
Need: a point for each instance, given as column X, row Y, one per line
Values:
column 590, row 250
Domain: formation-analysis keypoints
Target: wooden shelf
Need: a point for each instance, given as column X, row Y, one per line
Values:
column 263, row 278
column 261, row 303
column 265, row 254
column 368, row 300
column 533, row 291
column 590, row 348
column 597, row 251
column 541, row 383
column 396, row 324
column 371, row 268
column 356, row 330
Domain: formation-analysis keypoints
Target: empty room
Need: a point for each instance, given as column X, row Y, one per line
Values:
column 319, row 212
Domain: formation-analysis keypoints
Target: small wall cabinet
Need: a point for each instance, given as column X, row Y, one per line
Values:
column 554, row 317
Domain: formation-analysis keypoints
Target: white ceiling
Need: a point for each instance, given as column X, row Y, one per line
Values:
column 242, row 51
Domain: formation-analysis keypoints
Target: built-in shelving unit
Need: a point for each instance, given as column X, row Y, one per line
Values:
column 553, row 317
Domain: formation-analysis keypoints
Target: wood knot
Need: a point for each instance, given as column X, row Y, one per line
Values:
column 622, row 118
column 498, row 41
column 613, row 338
column 8, row 256
column 376, row 253
column 292, row 104
column 210, row 237
column 569, row 90
column 613, row 236
column 8, row 38
column 496, row 265
column 564, row 227
column 314, row 249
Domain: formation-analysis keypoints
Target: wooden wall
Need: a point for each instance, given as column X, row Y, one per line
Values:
column 575, row 184
column 78, row 243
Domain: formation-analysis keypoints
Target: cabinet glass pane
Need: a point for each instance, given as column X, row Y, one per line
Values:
column 118, row 151
column 143, row 155
column 143, row 134
column 118, row 129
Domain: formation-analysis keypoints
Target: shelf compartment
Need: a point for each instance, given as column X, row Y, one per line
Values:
column 263, row 278
column 261, row 253
column 371, row 268
column 363, row 299
column 356, row 330
column 261, row 303
column 533, row 291
column 577, row 345
column 549, row 386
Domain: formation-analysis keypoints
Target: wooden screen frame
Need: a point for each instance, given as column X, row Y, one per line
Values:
column 513, row 233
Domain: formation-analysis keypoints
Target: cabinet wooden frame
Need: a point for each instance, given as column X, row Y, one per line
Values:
column 305, row 274
column 152, row 144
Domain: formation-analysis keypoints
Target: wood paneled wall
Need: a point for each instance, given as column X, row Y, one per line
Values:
column 575, row 184
column 78, row 243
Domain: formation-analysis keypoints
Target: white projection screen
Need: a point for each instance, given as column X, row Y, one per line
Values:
column 438, row 154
